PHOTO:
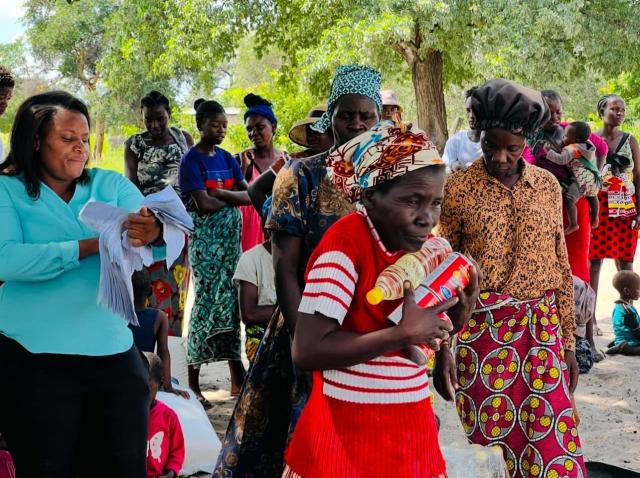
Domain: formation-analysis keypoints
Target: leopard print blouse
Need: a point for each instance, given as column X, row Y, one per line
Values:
column 516, row 235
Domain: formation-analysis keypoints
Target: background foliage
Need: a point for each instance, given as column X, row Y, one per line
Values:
column 111, row 52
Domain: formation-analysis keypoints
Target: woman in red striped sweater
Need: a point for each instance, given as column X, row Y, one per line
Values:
column 369, row 414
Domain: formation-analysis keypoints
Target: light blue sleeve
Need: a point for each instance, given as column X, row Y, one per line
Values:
column 30, row 262
column 129, row 196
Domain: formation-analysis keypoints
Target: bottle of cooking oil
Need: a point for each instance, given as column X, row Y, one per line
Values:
column 412, row 267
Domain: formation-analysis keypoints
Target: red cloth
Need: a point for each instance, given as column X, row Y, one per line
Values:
column 373, row 419
column 614, row 238
column 7, row 468
column 527, row 155
column 165, row 446
column 514, row 387
column 578, row 242
column 252, row 233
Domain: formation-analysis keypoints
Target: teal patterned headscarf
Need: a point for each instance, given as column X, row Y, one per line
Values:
column 349, row 80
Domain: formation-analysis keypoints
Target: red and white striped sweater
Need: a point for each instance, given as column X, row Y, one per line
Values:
column 372, row 419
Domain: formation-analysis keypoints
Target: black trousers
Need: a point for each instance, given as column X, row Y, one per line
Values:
column 73, row 415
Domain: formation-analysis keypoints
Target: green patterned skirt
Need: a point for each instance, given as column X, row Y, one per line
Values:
column 214, row 251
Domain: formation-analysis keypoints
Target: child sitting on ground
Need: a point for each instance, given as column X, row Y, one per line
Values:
column 255, row 280
column 153, row 328
column 165, row 446
column 578, row 153
column 626, row 322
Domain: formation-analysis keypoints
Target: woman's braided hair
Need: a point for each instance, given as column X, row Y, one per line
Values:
column 604, row 101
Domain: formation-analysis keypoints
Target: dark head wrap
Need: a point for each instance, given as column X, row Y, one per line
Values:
column 348, row 80
column 256, row 105
column 507, row 105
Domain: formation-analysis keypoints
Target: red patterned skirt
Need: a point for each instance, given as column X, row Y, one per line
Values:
column 514, row 386
column 614, row 238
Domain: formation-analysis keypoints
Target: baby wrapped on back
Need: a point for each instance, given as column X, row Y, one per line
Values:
column 577, row 154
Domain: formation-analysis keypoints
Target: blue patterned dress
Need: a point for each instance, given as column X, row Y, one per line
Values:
column 305, row 204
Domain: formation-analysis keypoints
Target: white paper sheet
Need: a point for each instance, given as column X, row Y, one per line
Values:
column 119, row 259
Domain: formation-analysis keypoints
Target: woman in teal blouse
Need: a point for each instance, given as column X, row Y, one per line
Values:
column 74, row 388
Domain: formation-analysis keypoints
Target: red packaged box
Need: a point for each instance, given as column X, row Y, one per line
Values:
column 440, row 285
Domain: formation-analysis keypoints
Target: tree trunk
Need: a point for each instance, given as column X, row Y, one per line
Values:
column 98, row 146
column 426, row 74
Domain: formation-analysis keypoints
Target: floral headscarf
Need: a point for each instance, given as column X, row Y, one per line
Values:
column 383, row 153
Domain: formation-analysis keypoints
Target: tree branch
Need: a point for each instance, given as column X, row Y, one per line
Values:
column 418, row 39
column 407, row 50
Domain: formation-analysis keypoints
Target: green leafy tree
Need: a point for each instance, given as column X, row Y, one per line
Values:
column 444, row 43
column 182, row 41
column 29, row 80
column 69, row 39
column 434, row 46
column 627, row 85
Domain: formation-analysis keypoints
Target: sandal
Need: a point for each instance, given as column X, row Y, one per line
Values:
column 206, row 404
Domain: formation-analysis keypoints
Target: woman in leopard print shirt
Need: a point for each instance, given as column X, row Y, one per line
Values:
column 515, row 359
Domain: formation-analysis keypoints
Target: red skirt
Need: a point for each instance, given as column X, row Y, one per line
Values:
column 614, row 238
column 578, row 242
column 7, row 468
column 344, row 439
column 514, row 387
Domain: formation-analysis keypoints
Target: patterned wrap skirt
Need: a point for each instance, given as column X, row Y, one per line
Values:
column 169, row 289
column 614, row 238
column 514, row 386
column 214, row 252
column 271, row 400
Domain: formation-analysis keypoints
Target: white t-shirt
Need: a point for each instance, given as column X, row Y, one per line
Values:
column 460, row 151
column 256, row 267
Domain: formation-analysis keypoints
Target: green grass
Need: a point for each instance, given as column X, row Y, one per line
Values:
column 112, row 158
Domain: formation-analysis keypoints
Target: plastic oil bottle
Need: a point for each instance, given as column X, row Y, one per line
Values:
column 413, row 267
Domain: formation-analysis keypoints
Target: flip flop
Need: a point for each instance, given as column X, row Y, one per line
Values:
column 206, row 404
column 616, row 349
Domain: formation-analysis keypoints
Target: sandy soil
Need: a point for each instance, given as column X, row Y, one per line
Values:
column 607, row 398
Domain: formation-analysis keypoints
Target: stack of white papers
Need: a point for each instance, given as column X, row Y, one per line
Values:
column 119, row 259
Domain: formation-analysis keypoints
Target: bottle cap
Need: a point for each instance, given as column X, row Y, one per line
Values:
column 375, row 296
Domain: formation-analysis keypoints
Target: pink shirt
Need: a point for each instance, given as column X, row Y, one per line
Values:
column 165, row 446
